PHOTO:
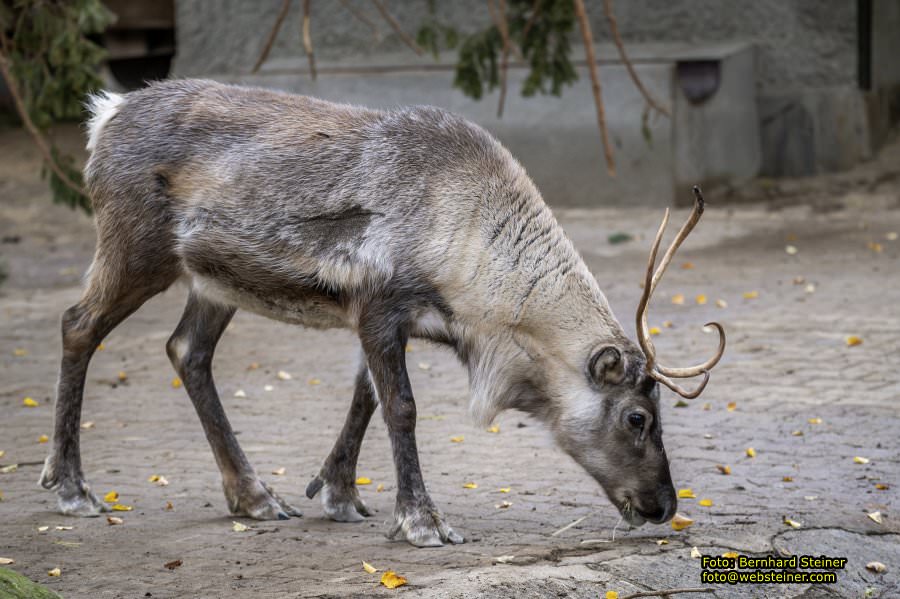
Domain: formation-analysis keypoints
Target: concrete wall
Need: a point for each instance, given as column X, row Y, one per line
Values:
column 811, row 116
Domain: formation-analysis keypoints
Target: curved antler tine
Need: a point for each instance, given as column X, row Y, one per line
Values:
column 641, row 327
column 683, row 373
column 685, row 230
column 679, row 390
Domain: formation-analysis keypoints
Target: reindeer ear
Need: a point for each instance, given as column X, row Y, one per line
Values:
column 607, row 365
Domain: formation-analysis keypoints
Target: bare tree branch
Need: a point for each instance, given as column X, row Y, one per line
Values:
column 500, row 22
column 595, row 84
column 38, row 137
column 362, row 17
column 617, row 39
column 285, row 6
column 666, row 593
column 379, row 4
column 307, row 40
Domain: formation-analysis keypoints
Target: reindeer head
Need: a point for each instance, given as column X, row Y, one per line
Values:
column 607, row 415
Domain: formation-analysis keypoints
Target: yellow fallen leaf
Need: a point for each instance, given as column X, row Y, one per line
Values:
column 751, row 453
column 176, row 383
column 111, row 497
column 882, row 486
column 662, row 541
column 424, row 366
column 686, row 494
column 503, row 505
column 114, row 520
column 730, row 554
column 695, row 553
column 797, row 433
column 751, row 294
column 54, row 572
column 9, row 469
column 493, row 429
column 101, row 347
column 19, row 352
column 875, row 517
column 720, row 303
column 5, row 561
column 787, row 479
column 876, row 567
column 379, row 488
column 362, row 480
column 700, row 299
column 392, row 580
column 611, row 595
column 655, row 331
column 853, row 340
column 118, row 507
column 369, row 568
column 43, row 439
column 707, row 407
column 815, row 421
column 504, row 489
column 792, row 523
column 731, row 407
column 457, row 439
column 876, row 247
column 87, row 425
column 726, row 470
column 238, row 527
column 29, row 403
column 169, row 507
column 705, row 502
column 678, row 299
column 667, row 324
column 860, row 460
column 123, row 376
column 283, row 376
column 314, row 382
column 279, row 471
column 680, row 522
column 2, row 453
column 687, row 265
column 470, row 486
column 159, row 480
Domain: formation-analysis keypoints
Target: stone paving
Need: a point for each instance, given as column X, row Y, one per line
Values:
column 787, row 362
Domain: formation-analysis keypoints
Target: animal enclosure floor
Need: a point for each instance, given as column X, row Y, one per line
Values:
column 805, row 400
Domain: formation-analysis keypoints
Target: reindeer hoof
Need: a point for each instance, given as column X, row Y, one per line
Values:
column 75, row 498
column 423, row 526
column 258, row 501
column 340, row 503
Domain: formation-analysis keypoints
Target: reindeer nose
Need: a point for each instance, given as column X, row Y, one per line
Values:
column 666, row 503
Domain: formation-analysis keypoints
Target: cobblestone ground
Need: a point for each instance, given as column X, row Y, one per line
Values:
column 787, row 362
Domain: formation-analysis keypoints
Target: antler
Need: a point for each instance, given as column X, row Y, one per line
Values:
column 657, row 371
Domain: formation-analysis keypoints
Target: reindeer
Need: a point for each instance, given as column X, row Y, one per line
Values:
column 395, row 224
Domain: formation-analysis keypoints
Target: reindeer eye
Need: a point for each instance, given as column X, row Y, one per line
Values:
column 637, row 420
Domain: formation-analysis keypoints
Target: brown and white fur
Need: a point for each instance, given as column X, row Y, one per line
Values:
column 395, row 224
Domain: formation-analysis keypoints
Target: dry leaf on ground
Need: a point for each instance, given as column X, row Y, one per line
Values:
column 791, row 523
column 279, row 471
column 113, row 520
column 705, row 502
column 860, row 460
column 5, row 561
column 238, row 527
column 54, row 572
column 29, row 403
column 111, row 497
column 876, row 567
column 678, row 299
column 695, row 553
column 876, row 517
column 121, row 508
column 751, row 453
column 493, row 429
column 726, row 470
column 686, row 494
column 751, row 294
column 470, row 485
column 457, row 439
column 369, row 568
column 680, row 522
column 283, row 375
column 363, row 480
column 173, row 564
column 392, row 580
column 853, row 340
